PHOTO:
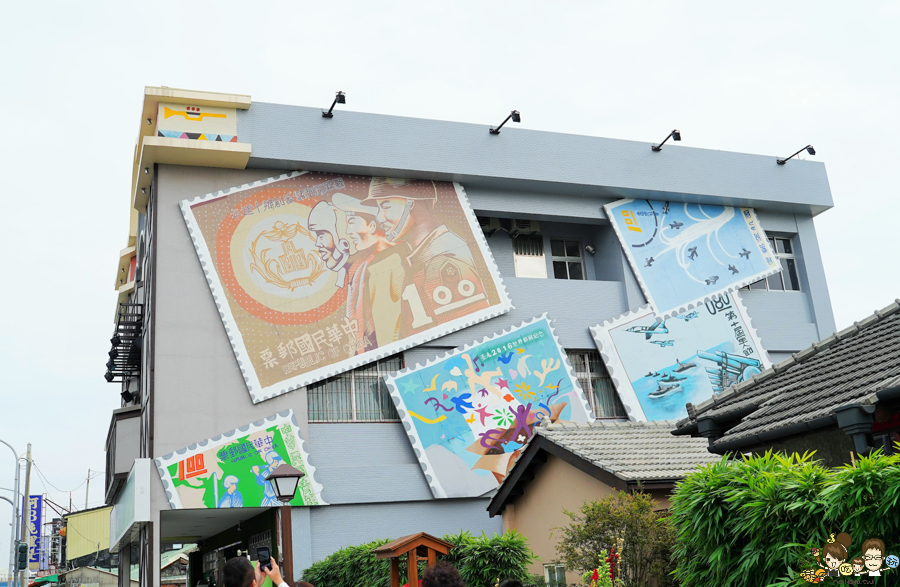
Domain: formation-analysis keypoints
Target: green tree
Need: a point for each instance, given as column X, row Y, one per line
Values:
column 628, row 519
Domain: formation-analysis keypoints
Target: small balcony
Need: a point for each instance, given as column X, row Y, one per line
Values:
column 123, row 446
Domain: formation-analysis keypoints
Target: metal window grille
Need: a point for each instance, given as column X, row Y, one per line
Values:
column 555, row 575
column 528, row 256
column 359, row 395
column 787, row 280
column 567, row 261
column 596, row 383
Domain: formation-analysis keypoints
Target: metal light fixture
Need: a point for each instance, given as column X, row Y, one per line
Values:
column 284, row 482
column 590, row 249
column 339, row 98
column 146, row 171
column 515, row 118
column 674, row 135
column 127, row 396
column 808, row 148
column 143, row 190
column 149, row 122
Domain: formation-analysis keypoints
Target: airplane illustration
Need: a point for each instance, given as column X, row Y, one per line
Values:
column 648, row 331
column 649, row 262
column 733, row 269
column 663, row 343
column 666, row 208
column 745, row 254
column 692, row 253
column 712, row 280
column 687, row 317
column 676, row 225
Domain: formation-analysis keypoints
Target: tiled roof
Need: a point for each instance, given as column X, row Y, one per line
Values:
column 632, row 451
column 847, row 367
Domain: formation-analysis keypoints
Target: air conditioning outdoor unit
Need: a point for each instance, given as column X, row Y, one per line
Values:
column 525, row 227
column 489, row 225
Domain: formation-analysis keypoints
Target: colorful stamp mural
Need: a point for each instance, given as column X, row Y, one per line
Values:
column 684, row 254
column 470, row 412
column 315, row 273
column 657, row 366
column 198, row 123
column 230, row 470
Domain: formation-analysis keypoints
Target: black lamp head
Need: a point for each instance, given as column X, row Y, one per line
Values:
column 515, row 116
column 109, row 377
column 810, row 150
column 676, row 136
column 127, row 396
column 341, row 99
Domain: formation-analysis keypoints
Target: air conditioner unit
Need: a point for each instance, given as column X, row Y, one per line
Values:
column 525, row 227
column 489, row 225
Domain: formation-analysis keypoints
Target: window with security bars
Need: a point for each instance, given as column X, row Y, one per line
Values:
column 786, row 280
column 528, row 256
column 359, row 395
column 596, row 383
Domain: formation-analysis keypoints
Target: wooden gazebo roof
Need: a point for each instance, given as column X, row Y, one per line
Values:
column 421, row 542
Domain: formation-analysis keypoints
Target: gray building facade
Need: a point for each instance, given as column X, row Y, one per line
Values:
column 188, row 387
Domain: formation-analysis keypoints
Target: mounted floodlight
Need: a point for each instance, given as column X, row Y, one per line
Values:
column 808, row 148
column 284, row 482
column 674, row 135
column 515, row 118
column 338, row 99
column 149, row 122
column 127, row 396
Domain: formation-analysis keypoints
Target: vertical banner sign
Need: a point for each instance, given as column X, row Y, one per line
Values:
column 470, row 413
column 231, row 470
column 33, row 530
column 315, row 274
column 658, row 366
column 685, row 254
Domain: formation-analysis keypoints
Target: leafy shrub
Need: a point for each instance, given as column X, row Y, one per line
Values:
column 642, row 537
column 479, row 559
column 753, row 521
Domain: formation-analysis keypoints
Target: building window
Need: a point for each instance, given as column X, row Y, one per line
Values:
column 528, row 256
column 596, row 383
column 787, row 279
column 567, row 261
column 555, row 575
column 359, row 395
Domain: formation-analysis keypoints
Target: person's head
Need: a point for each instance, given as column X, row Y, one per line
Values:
column 511, row 583
column 322, row 222
column 397, row 200
column 239, row 572
column 442, row 575
column 834, row 554
column 230, row 483
column 873, row 553
column 858, row 564
column 273, row 459
column 362, row 225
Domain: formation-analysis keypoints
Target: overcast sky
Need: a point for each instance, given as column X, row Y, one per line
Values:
column 764, row 77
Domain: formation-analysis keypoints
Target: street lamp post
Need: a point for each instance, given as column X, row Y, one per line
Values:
column 15, row 515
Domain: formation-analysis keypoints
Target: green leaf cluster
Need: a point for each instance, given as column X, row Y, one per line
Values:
column 480, row 560
column 642, row 536
column 753, row 521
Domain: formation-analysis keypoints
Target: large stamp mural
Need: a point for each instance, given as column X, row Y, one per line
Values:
column 470, row 412
column 684, row 254
column 230, row 470
column 316, row 273
column 658, row 366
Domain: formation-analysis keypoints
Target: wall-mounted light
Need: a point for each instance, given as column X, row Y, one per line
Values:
column 808, row 148
column 674, row 135
column 149, row 122
column 515, row 118
column 146, row 171
column 127, row 396
column 143, row 190
column 590, row 249
column 339, row 98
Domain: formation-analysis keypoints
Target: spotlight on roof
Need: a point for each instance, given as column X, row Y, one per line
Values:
column 339, row 98
column 515, row 118
column 808, row 148
column 675, row 135
column 149, row 122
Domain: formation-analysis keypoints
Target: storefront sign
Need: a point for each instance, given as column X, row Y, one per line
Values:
column 315, row 274
column 230, row 470
column 685, row 254
column 33, row 530
column 658, row 366
column 470, row 412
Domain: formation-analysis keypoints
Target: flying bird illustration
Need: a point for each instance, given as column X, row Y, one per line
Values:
column 712, row 280
column 733, row 269
column 449, row 385
column 745, row 254
column 462, row 403
column 649, row 262
column 676, row 225
column 433, row 385
column 505, row 358
column 663, row 343
column 692, row 253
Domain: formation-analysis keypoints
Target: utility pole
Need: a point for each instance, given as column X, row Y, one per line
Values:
column 26, row 515
column 15, row 517
column 87, row 490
